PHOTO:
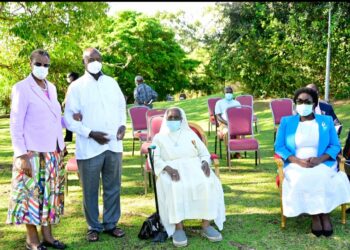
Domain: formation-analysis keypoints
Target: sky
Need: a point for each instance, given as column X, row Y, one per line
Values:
column 193, row 10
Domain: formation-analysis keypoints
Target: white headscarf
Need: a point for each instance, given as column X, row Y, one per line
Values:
column 184, row 123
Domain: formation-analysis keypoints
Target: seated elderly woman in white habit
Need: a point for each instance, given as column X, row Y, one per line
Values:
column 187, row 187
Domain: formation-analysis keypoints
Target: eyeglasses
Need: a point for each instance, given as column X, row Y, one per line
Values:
column 304, row 101
column 46, row 65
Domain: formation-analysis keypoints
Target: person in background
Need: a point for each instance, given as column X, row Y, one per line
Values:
column 99, row 147
column 309, row 145
column 144, row 95
column 71, row 77
column 324, row 108
column 220, row 112
column 187, row 187
column 37, row 197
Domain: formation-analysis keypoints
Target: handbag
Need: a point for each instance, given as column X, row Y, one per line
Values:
column 150, row 227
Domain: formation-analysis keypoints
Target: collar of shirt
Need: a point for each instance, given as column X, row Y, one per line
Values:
column 90, row 77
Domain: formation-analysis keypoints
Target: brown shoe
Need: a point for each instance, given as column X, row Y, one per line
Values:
column 115, row 232
column 92, row 236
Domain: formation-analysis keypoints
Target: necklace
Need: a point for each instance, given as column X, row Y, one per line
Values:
column 175, row 142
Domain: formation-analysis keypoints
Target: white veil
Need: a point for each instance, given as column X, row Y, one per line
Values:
column 184, row 124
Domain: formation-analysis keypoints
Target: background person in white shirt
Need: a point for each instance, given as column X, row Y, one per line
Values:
column 220, row 112
column 99, row 148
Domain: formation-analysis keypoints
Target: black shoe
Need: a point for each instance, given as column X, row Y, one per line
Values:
column 56, row 244
column 328, row 233
column 317, row 233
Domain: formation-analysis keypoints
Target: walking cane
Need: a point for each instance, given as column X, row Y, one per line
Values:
column 162, row 235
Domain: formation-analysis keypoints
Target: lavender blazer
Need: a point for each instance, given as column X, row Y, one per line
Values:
column 35, row 120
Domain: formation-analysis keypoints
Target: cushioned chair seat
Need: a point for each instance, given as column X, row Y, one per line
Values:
column 243, row 144
column 72, row 165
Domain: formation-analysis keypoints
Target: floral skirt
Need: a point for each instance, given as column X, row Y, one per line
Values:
column 38, row 200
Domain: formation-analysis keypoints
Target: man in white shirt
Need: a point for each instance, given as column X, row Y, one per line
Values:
column 99, row 147
column 220, row 112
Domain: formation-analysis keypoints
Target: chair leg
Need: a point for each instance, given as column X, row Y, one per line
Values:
column 216, row 142
column 145, row 180
column 343, row 214
column 66, row 183
column 256, row 126
column 245, row 154
column 133, row 146
column 283, row 221
column 256, row 158
column 209, row 127
column 229, row 160
column 274, row 136
column 220, row 148
column 149, row 179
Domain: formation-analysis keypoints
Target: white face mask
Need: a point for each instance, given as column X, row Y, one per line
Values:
column 304, row 109
column 40, row 72
column 94, row 67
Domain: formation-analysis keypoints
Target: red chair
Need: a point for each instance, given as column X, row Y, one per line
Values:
column 240, row 125
column 279, row 108
column 72, row 167
column 248, row 101
column 211, row 111
column 153, row 112
column 153, row 129
column 138, row 124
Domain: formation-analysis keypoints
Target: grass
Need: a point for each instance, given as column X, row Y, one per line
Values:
column 251, row 198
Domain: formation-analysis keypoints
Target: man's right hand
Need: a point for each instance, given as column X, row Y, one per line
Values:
column 77, row 117
column 23, row 164
column 99, row 137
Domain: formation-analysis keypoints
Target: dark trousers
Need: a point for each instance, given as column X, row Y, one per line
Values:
column 109, row 164
column 69, row 136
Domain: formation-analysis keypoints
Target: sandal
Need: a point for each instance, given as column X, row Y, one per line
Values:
column 115, row 232
column 38, row 247
column 92, row 236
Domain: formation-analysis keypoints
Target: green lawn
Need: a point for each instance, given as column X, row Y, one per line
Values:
column 251, row 198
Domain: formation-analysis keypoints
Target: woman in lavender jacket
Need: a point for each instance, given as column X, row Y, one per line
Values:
column 37, row 197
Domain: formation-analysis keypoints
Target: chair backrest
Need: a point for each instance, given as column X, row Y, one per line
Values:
column 245, row 100
column 211, row 105
column 199, row 131
column 281, row 107
column 155, row 124
column 240, row 121
column 138, row 117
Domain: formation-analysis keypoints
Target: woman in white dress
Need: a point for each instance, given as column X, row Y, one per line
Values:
column 309, row 145
column 187, row 187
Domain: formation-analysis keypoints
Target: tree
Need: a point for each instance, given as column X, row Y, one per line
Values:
column 62, row 28
column 134, row 43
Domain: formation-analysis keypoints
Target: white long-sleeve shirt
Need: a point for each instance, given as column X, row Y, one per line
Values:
column 102, row 105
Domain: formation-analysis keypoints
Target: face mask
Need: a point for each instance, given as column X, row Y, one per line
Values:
column 173, row 125
column 40, row 72
column 94, row 67
column 304, row 109
column 228, row 96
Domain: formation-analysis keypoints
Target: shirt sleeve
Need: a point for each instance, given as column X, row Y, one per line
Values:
column 121, row 106
column 218, row 108
column 19, row 105
column 73, row 106
column 159, row 163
